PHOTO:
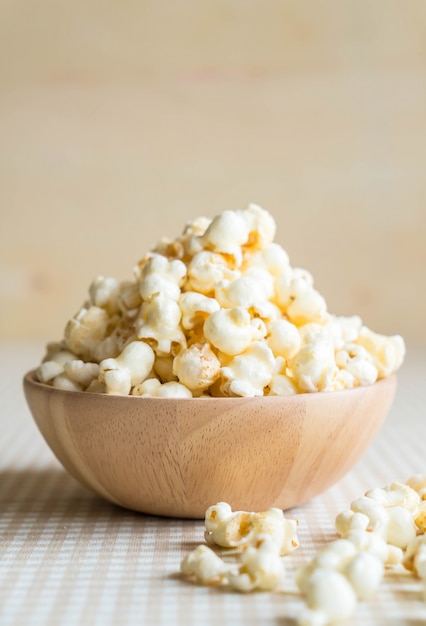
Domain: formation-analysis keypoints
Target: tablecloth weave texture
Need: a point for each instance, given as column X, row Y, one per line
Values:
column 67, row 558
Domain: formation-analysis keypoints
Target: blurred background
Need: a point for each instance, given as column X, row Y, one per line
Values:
column 120, row 121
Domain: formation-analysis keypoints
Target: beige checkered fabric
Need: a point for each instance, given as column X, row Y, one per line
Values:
column 68, row 558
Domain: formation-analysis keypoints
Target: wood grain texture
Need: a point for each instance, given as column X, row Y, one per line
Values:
column 177, row 457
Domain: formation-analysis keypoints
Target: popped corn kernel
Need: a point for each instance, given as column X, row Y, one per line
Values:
column 159, row 320
column 153, row 388
column 158, row 275
column 130, row 368
column 229, row 330
column 197, row 367
column 261, row 567
column 314, row 364
column 103, row 293
column 248, row 373
column 329, row 596
column 256, row 285
column 283, row 338
column 387, row 352
column 86, row 330
column 418, row 483
column 80, row 372
column 53, row 365
column 230, row 529
column 204, row 566
column 207, row 269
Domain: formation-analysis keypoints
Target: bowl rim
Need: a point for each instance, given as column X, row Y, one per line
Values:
column 30, row 380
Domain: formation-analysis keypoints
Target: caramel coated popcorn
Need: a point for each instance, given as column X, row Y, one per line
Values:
column 217, row 311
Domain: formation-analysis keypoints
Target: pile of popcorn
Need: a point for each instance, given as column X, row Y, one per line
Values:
column 381, row 531
column 218, row 311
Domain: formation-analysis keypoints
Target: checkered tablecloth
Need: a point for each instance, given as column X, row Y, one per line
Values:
column 68, row 558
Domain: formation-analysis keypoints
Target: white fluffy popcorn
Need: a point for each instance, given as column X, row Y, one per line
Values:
column 230, row 529
column 130, row 368
column 226, row 284
column 378, row 532
column 261, row 540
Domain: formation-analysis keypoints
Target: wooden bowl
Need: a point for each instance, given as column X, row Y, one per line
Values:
column 176, row 457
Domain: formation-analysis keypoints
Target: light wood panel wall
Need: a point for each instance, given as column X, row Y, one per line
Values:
column 119, row 121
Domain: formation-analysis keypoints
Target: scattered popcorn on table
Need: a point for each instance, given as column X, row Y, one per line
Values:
column 377, row 533
column 212, row 310
column 261, row 540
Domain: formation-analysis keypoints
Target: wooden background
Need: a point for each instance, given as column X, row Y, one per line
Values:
column 119, row 121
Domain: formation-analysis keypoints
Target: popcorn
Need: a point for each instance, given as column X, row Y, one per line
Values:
column 204, row 565
column 54, row 364
column 159, row 321
column 225, row 314
column 103, row 293
column 263, row 538
column 229, row 330
column 260, row 567
column 283, row 338
column 314, row 364
column 130, row 368
column 152, row 388
column 240, row 528
column 158, row 275
column 197, row 367
column 329, row 597
column 250, row 372
column 86, row 330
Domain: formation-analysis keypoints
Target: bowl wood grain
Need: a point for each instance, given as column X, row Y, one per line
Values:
column 176, row 457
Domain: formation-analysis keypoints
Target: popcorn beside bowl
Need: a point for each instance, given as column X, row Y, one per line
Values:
column 217, row 373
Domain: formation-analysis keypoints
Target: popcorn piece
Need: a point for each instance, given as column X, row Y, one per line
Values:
column 130, row 368
column 229, row 330
column 240, row 528
column 387, row 352
column 395, row 494
column 62, row 381
column 80, row 372
column 330, row 598
column 364, row 572
column 261, row 227
column 103, row 293
column 197, row 367
column 195, row 308
column 158, row 275
column 356, row 360
column 261, row 567
column 86, row 330
column 159, row 321
column 250, row 372
column 226, row 234
column 415, row 556
column 204, row 565
column 53, row 365
column 206, row 270
column 273, row 258
column 281, row 385
column 254, row 286
column 283, row 338
column 418, row 483
column 153, row 388
column 420, row 517
column 314, row 365
column 348, row 521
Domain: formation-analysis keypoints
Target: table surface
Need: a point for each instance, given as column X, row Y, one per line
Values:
column 69, row 558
